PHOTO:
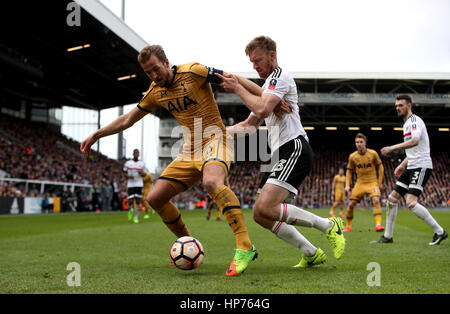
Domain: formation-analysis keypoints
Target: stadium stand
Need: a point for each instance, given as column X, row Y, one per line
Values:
column 315, row 192
column 32, row 151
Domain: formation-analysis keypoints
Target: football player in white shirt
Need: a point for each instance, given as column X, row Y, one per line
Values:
column 292, row 156
column 412, row 173
column 134, row 169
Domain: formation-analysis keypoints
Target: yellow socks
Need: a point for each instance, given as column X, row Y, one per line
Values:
column 349, row 217
column 171, row 216
column 229, row 204
column 377, row 213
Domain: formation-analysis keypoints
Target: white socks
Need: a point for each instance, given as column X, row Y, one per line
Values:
column 136, row 211
column 291, row 235
column 391, row 215
column 293, row 215
column 425, row 215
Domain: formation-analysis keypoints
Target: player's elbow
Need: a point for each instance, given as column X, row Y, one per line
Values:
column 126, row 122
column 262, row 113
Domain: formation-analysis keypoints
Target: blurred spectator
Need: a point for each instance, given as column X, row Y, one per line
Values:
column 106, row 194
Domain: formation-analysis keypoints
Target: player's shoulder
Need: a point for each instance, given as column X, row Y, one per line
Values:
column 372, row 151
column 147, row 95
column 281, row 74
column 416, row 119
column 353, row 155
column 193, row 68
column 413, row 118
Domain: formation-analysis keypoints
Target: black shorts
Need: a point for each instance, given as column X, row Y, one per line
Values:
column 135, row 192
column 295, row 161
column 412, row 181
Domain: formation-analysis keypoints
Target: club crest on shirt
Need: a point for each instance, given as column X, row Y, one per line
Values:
column 272, row 84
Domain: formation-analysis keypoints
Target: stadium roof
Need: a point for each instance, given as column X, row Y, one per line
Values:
column 39, row 66
column 46, row 58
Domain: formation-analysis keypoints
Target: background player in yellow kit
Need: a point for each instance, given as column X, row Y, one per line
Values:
column 147, row 184
column 185, row 92
column 369, row 172
column 338, row 192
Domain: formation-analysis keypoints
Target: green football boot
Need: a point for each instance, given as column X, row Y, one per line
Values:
column 316, row 259
column 240, row 261
column 335, row 236
column 130, row 214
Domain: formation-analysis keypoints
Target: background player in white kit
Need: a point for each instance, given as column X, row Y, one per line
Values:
column 134, row 171
column 412, row 173
column 292, row 156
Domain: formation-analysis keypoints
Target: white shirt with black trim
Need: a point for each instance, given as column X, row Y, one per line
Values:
column 419, row 155
column 281, row 130
column 132, row 168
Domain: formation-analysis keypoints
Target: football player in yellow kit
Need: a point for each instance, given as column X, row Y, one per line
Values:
column 369, row 171
column 185, row 91
column 338, row 192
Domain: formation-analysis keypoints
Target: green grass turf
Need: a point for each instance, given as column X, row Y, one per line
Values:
column 116, row 256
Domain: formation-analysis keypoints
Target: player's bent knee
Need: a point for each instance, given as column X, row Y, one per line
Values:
column 411, row 205
column 257, row 217
column 393, row 199
column 156, row 201
column 211, row 184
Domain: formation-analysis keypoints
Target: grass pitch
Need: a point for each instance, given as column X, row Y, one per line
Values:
column 116, row 256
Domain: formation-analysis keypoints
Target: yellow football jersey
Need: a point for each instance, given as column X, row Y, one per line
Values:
column 365, row 166
column 189, row 98
column 339, row 183
column 147, row 179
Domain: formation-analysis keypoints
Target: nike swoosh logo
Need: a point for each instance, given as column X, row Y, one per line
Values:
column 339, row 228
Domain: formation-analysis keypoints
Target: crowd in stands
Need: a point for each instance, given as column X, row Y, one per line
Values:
column 32, row 151
column 315, row 191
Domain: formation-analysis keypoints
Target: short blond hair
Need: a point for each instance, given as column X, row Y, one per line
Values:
column 360, row 135
column 263, row 42
column 148, row 51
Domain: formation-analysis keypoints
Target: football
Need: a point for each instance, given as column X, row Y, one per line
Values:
column 187, row 253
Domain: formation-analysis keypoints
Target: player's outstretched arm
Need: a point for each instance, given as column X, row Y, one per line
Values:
column 121, row 123
column 408, row 144
column 246, row 127
column 254, row 89
column 261, row 106
column 250, row 86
